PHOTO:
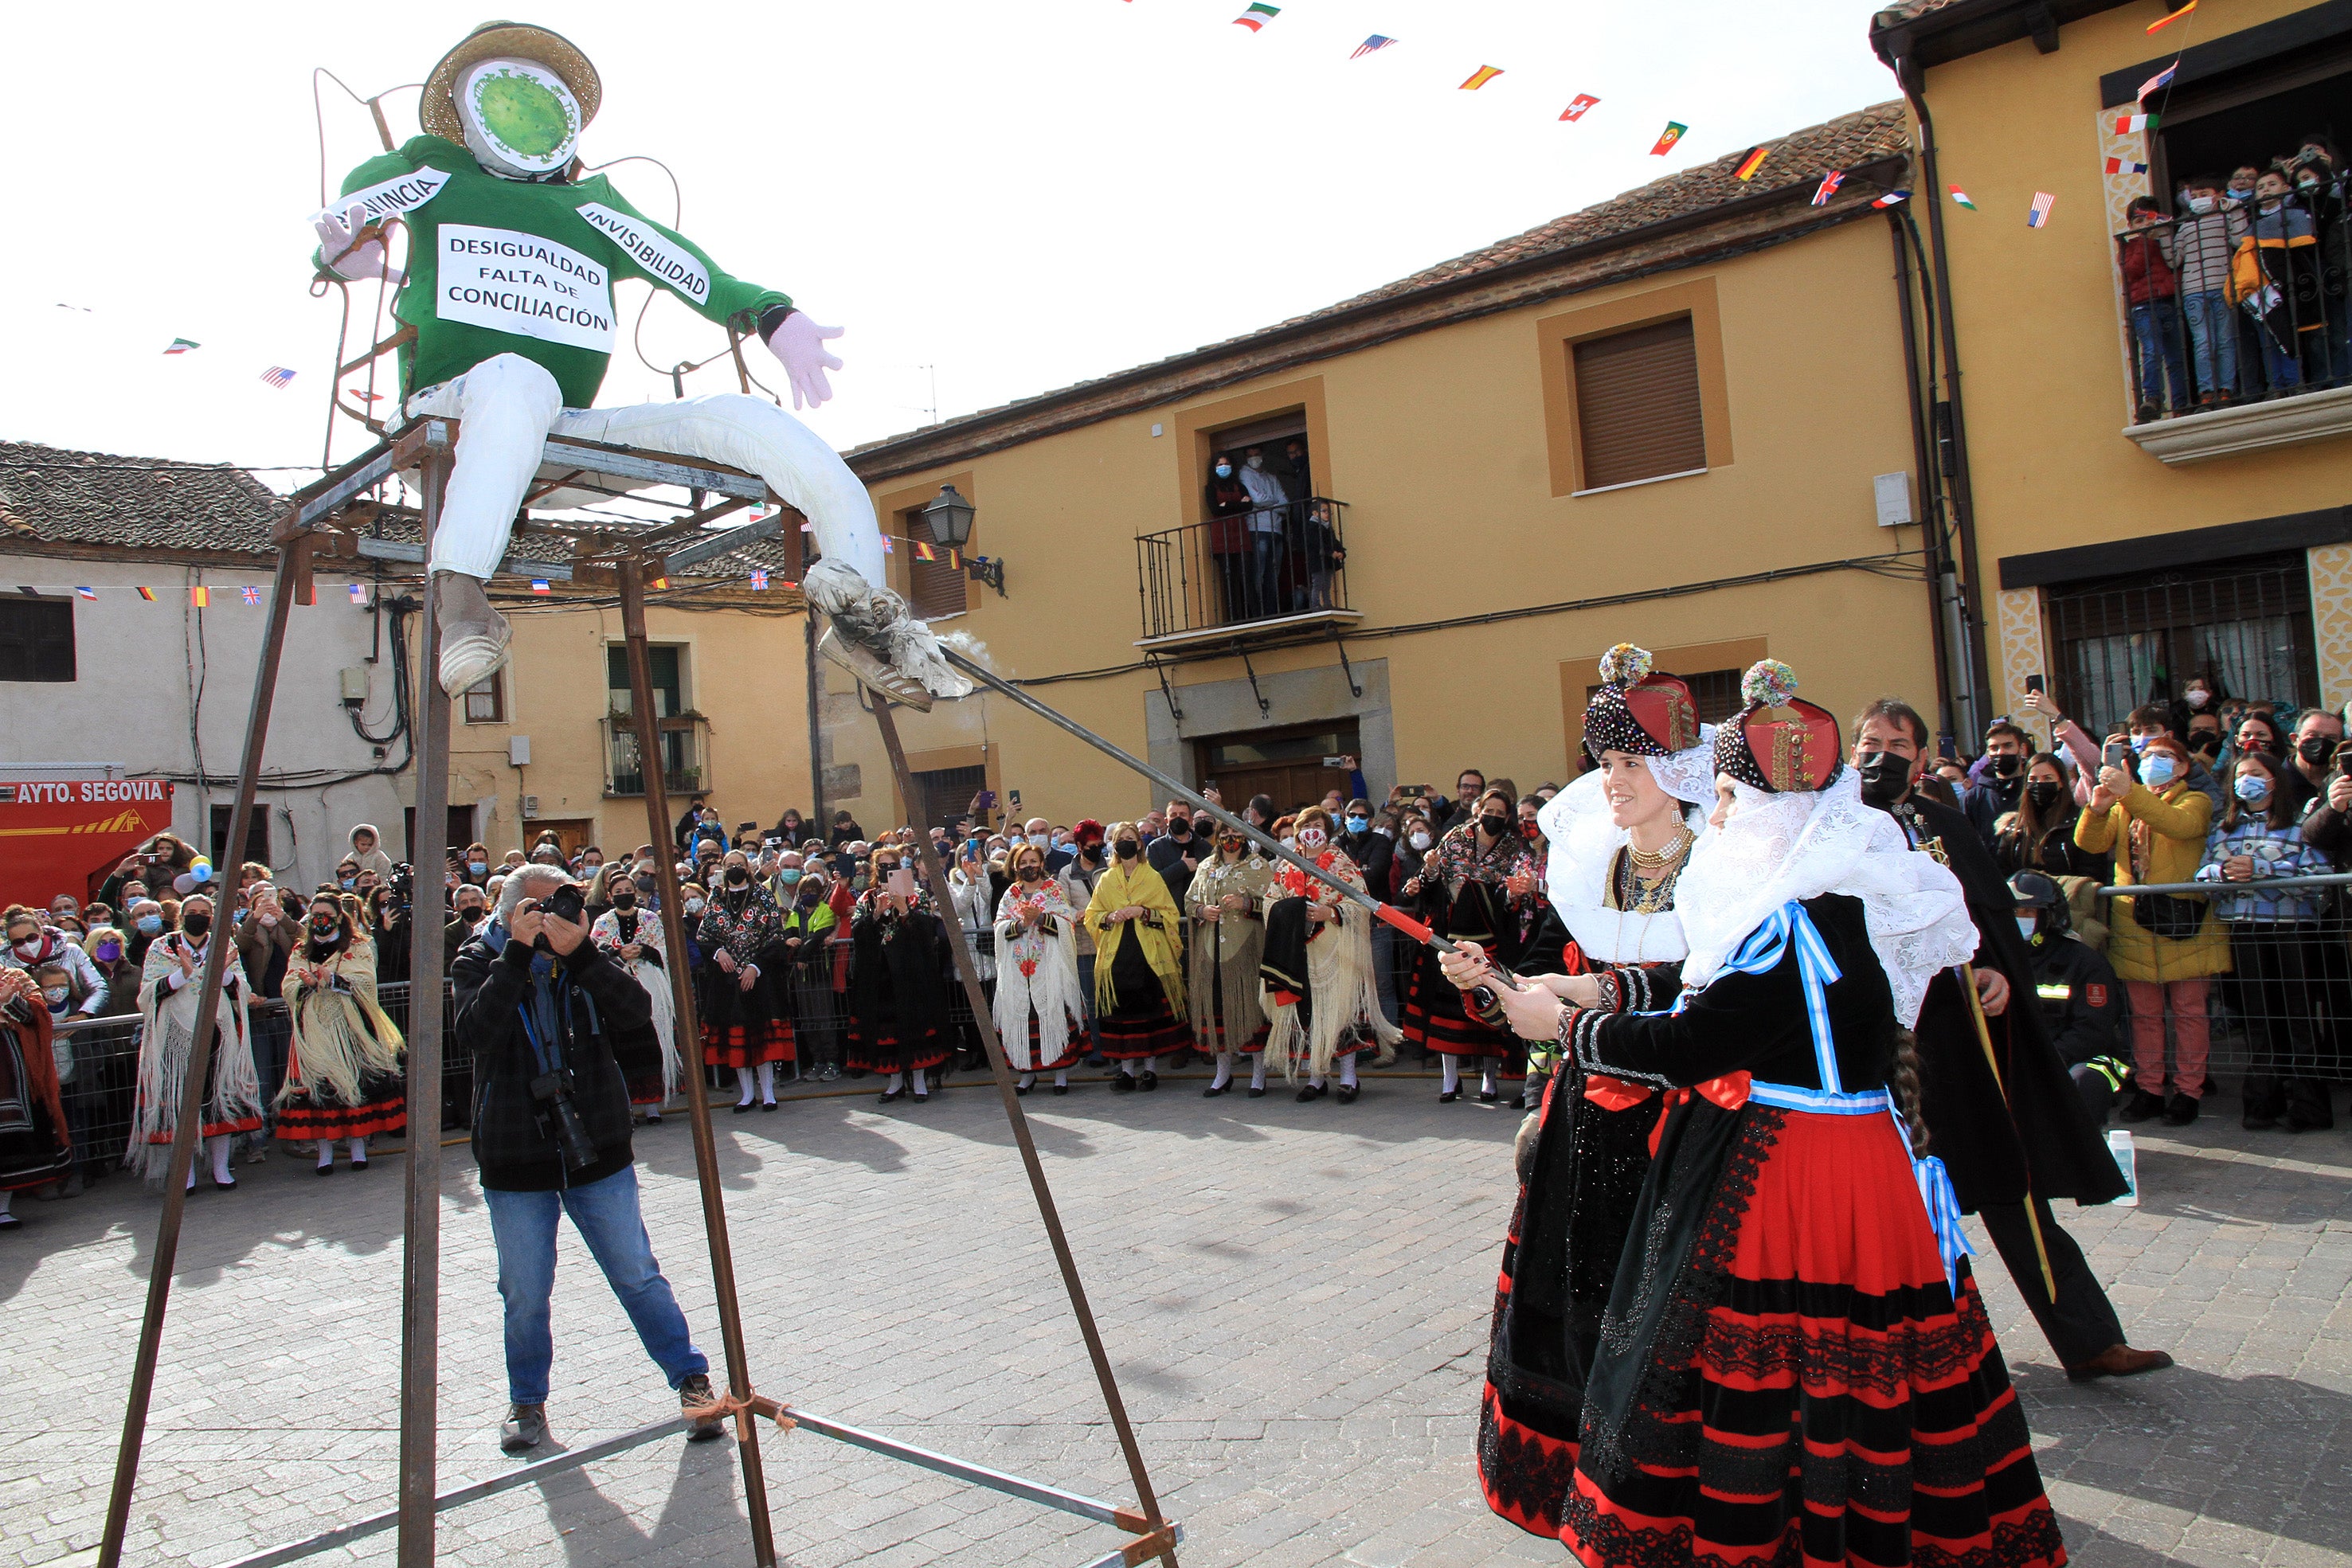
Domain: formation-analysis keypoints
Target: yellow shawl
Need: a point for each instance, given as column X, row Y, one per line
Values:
column 1143, row 887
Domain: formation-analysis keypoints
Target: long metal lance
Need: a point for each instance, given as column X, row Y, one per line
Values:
column 1385, row 912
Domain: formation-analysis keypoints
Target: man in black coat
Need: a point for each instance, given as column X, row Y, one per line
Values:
column 540, row 1009
column 2016, row 1136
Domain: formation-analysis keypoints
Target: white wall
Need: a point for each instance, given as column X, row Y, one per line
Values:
column 139, row 667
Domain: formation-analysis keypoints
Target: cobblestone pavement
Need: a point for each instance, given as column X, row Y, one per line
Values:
column 1296, row 1297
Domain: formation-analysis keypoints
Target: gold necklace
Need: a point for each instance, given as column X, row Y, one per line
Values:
column 1645, row 860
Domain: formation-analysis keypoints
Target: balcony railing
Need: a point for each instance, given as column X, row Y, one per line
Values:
column 2227, row 316
column 686, row 751
column 1259, row 570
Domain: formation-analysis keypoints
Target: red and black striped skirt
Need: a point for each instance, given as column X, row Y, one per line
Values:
column 1841, row 1404
column 1435, row 1018
column 745, row 1043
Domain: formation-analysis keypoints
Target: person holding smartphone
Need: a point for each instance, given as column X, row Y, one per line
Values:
column 898, row 1022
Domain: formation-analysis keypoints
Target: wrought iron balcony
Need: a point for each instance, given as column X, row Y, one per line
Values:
column 1248, row 576
column 685, row 742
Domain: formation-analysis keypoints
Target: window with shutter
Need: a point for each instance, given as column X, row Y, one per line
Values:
column 1637, row 404
column 36, row 640
column 934, row 589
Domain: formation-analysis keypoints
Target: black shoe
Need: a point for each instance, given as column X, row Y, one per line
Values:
column 1487, row 1096
column 743, row 1108
column 1061, row 1089
column 1021, row 1090
column 2256, row 1120
column 228, row 1185
column 1348, row 1093
column 1312, row 1092
column 1257, row 1093
column 326, row 1169
column 767, row 1104
column 359, row 1164
column 2141, row 1107
column 695, row 1394
column 2299, row 1122
column 1124, row 1084
column 1448, row 1096
column 1215, row 1089
column 922, row 1099
column 2180, row 1111
column 1149, row 1081
column 890, row 1094
column 1520, row 1101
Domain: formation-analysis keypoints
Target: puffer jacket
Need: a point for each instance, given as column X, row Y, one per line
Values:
column 2176, row 822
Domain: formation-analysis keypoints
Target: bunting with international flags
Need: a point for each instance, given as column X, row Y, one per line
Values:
column 924, row 552
column 181, row 345
column 1371, row 45
column 252, row 594
column 2039, row 213
column 1892, row 198
column 758, row 579
column 1750, row 161
column 1480, row 77
column 1828, row 187
column 201, row 597
column 1962, row 198
column 148, row 594
column 1674, row 131
column 278, row 376
column 2124, row 166
column 1578, row 105
column 359, row 593
column 2162, row 22
column 2162, row 79
column 541, row 585
column 85, row 594
column 2128, row 123
column 1257, row 16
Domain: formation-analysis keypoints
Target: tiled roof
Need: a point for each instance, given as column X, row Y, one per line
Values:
column 139, row 503
column 1800, row 157
column 1908, row 11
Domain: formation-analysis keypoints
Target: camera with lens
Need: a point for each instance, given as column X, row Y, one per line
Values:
column 559, row 1119
column 402, row 884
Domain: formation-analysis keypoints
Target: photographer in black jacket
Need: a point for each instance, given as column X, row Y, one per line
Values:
column 540, row 1009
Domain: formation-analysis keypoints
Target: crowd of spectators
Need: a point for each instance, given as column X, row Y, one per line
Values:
column 2238, row 293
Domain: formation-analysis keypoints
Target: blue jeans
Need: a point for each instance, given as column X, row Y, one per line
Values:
column 2212, row 340
column 1266, row 552
column 605, row 1213
column 2282, row 353
column 2156, row 330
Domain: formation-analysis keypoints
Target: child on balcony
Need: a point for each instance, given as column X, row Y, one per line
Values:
column 2153, row 293
column 2278, row 281
column 2201, row 244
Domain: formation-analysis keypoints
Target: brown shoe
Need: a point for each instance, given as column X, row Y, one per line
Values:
column 696, row 1402
column 2119, row 1361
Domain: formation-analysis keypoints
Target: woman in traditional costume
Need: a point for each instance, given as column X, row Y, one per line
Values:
column 1318, row 968
column 633, row 935
column 170, row 985
column 898, row 1022
column 744, row 1025
column 1041, row 1011
column 1474, row 888
column 1228, row 941
column 1619, row 841
column 344, row 1067
column 36, row 1138
column 1139, row 972
column 1794, row 1363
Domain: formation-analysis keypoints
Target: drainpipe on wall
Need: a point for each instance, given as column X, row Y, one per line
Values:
column 1931, row 511
column 1952, row 425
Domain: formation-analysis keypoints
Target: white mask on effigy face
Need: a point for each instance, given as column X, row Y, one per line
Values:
column 522, row 121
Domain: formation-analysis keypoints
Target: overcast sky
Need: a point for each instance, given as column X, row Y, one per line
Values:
column 1022, row 193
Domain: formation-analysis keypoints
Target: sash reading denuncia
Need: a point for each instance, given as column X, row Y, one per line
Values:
column 393, row 197
column 526, row 284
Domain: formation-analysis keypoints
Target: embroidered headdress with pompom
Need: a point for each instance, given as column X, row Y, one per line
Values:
column 1778, row 743
column 1637, row 711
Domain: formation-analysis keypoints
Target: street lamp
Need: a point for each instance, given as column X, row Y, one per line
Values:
column 949, row 516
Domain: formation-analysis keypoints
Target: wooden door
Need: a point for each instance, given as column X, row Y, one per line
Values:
column 1285, row 763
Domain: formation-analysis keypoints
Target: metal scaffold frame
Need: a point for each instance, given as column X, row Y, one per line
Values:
column 333, row 517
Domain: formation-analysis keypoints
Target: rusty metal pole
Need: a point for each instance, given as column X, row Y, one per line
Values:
column 191, row 1089
column 983, row 1016
column 420, row 1274
column 631, row 574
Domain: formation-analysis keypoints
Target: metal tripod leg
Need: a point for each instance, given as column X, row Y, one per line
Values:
column 192, row 1090
column 420, row 1272
column 689, row 1045
column 969, row 973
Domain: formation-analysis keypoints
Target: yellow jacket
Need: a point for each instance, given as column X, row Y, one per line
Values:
column 1118, row 888
column 2175, row 821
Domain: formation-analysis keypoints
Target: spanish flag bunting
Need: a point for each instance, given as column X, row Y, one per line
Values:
column 202, row 598
column 1674, row 131
column 1481, row 77
column 926, row 552
column 1751, row 161
column 1962, row 197
column 148, row 594
column 2168, row 21
column 1257, row 16
column 658, row 582
column 1578, row 105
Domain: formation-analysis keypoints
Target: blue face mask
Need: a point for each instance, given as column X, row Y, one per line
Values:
column 477, row 867
column 2251, row 787
column 2139, row 742
column 2156, row 771
column 150, row 924
column 1224, row 470
column 788, row 876
column 1359, row 824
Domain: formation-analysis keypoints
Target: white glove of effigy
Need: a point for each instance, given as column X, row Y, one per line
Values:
column 799, row 343
column 345, row 260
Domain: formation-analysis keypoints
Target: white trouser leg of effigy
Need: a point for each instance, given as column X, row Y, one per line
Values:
column 505, row 406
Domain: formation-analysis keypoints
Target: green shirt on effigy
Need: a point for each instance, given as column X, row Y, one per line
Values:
column 510, row 266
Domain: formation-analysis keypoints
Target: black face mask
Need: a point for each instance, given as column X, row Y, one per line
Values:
column 2315, row 748
column 1180, row 829
column 1031, row 873
column 2009, row 765
column 2044, row 793
column 1494, row 827
column 737, row 876
column 2205, row 744
column 1886, row 778
column 1129, row 849
column 625, row 898
column 196, row 926
column 471, row 915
